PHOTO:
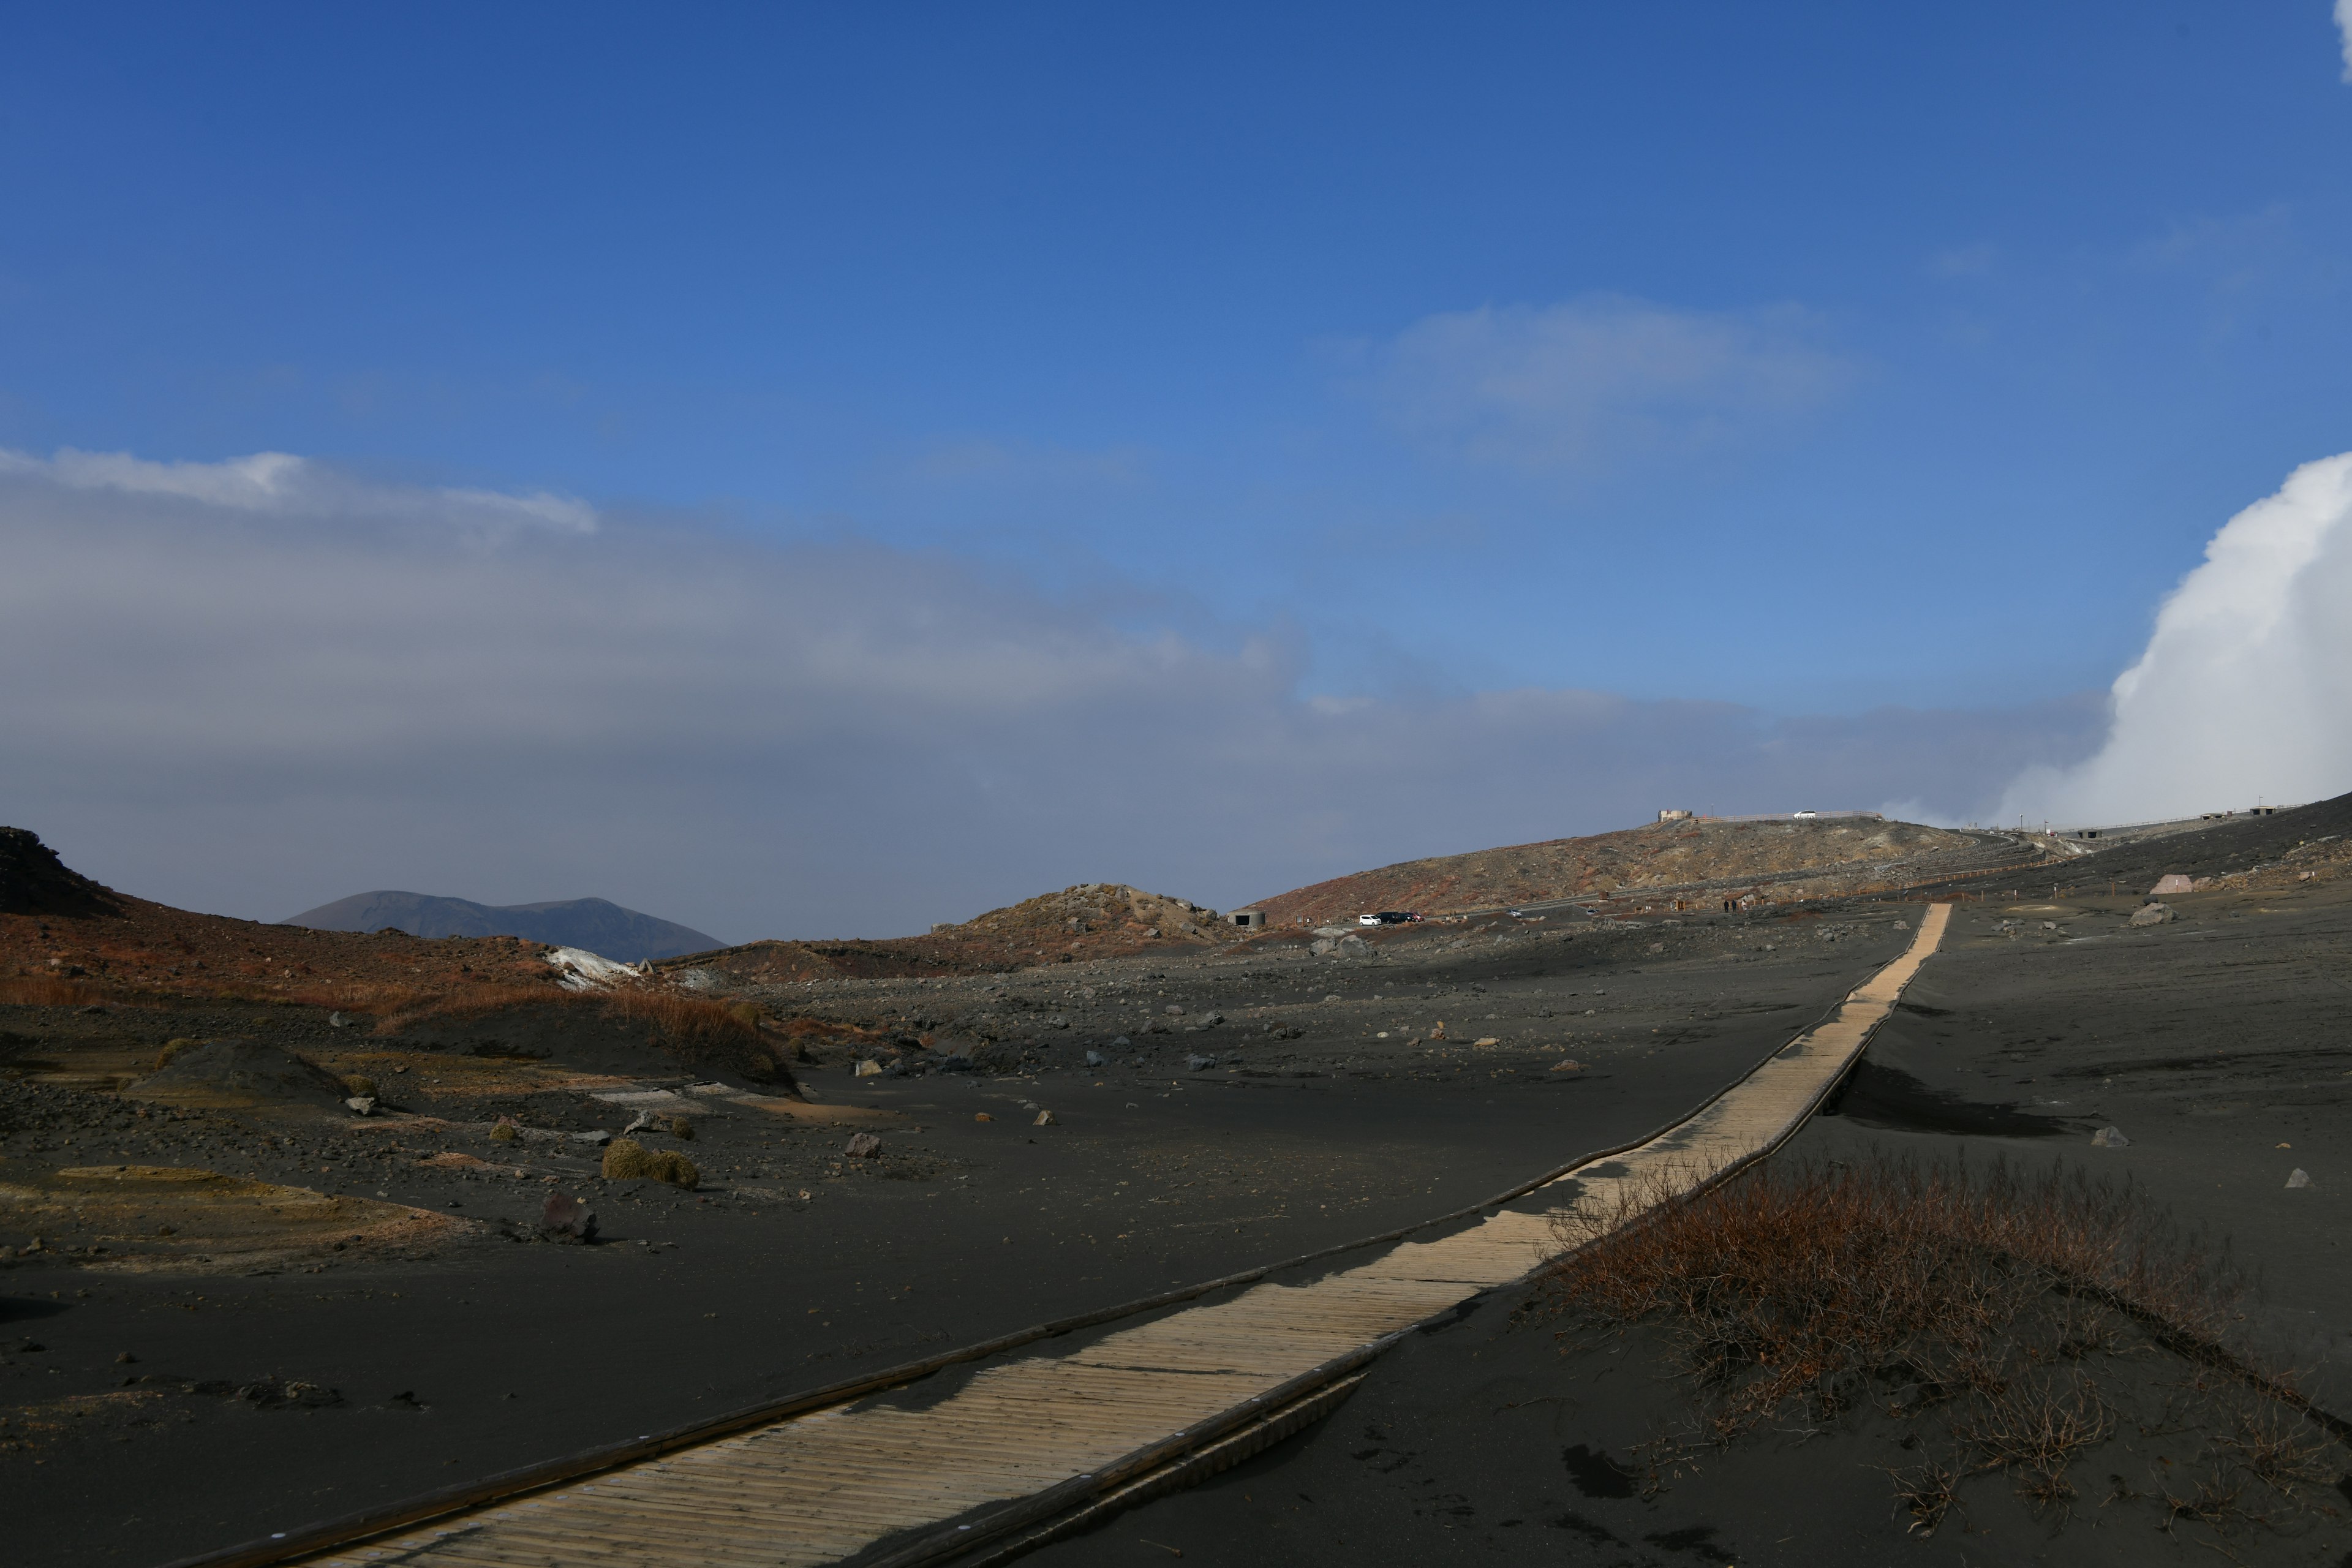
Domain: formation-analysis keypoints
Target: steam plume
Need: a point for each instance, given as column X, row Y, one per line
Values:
column 2245, row 688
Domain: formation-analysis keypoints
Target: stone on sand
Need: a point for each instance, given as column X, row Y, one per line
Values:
column 2110, row 1138
column 1044, row 1119
column 566, row 1219
column 863, row 1146
column 2152, row 915
column 1200, row 1063
column 2299, row 1178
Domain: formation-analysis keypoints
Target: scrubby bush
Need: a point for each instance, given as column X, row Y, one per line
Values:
column 627, row 1160
column 172, row 1048
column 1979, row 1301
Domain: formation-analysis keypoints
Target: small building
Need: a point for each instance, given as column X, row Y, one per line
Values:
column 1249, row 919
column 1673, row 815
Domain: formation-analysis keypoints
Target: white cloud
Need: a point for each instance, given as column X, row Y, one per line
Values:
column 261, row 707
column 278, row 483
column 2246, row 687
column 1575, row 383
column 2344, row 28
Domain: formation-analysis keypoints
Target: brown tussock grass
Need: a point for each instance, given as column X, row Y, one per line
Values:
column 397, row 1008
column 625, row 1159
column 687, row 1020
column 47, row 991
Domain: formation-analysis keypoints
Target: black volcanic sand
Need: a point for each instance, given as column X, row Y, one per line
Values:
column 316, row 1380
column 2218, row 1044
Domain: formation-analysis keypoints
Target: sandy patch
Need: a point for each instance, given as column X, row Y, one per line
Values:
column 144, row 1218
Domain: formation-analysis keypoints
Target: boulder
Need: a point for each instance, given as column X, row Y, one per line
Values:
column 1094, row 1059
column 868, row 1068
column 863, row 1146
column 567, row 1218
column 1044, row 1119
column 1200, row 1063
column 2151, row 915
column 2110, row 1138
column 2300, row 1178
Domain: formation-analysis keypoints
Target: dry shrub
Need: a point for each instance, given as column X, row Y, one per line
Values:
column 2033, row 1426
column 687, row 1021
column 1933, row 1288
column 172, row 1048
column 47, row 991
column 399, row 1010
column 1809, row 1281
column 627, row 1160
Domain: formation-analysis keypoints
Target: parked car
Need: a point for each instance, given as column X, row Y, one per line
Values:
column 1803, row 815
column 1388, row 917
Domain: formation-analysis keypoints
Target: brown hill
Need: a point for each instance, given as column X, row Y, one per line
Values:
column 1845, row 853
column 66, row 940
column 1092, row 920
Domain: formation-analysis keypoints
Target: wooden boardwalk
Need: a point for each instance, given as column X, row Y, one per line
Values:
column 910, row 1477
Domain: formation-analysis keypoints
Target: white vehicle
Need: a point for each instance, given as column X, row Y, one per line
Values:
column 1368, row 919
column 1803, row 815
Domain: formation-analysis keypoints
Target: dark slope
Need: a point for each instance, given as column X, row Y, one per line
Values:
column 2226, row 847
column 34, row 882
column 596, row 924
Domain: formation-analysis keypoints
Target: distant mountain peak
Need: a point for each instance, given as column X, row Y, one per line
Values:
column 599, row 925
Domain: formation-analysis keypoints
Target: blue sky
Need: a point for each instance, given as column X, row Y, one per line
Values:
column 1813, row 359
